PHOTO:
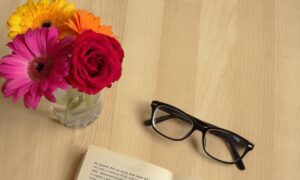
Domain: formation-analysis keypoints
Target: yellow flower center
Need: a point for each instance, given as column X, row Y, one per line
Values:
column 47, row 24
column 48, row 20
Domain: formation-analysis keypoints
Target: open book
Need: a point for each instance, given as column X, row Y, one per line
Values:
column 101, row 164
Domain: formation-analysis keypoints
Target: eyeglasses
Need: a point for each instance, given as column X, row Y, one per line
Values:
column 219, row 144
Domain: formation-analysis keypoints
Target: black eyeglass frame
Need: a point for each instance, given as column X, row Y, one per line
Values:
column 204, row 127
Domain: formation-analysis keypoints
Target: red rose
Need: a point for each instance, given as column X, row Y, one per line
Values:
column 96, row 62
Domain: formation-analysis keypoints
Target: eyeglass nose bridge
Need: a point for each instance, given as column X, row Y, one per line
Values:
column 197, row 125
column 200, row 127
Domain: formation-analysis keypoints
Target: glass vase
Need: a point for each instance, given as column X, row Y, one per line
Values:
column 75, row 109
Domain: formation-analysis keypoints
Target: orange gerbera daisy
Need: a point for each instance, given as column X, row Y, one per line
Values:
column 83, row 20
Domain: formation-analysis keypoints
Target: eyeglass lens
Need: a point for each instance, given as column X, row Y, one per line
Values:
column 171, row 122
column 224, row 145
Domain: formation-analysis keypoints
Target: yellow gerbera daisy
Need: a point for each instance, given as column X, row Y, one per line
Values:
column 43, row 13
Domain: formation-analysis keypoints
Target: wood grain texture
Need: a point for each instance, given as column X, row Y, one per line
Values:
column 232, row 63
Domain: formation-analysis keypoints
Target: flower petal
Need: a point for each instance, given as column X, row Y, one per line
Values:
column 43, row 85
column 14, row 59
column 51, row 39
column 27, row 100
column 17, row 83
column 32, row 43
column 42, row 43
column 21, row 91
column 36, row 100
column 63, row 48
column 34, row 89
column 49, row 96
column 18, row 46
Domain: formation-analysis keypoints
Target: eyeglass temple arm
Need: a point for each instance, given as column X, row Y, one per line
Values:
column 240, row 165
column 235, row 154
column 148, row 122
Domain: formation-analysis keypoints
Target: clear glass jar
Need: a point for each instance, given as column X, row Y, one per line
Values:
column 75, row 109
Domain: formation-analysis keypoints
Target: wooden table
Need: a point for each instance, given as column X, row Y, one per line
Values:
column 233, row 63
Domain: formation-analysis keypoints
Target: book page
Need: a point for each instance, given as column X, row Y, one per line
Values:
column 101, row 164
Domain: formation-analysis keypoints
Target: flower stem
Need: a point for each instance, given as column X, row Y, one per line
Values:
column 73, row 104
column 89, row 100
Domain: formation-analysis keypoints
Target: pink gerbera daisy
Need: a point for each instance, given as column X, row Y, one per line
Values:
column 36, row 67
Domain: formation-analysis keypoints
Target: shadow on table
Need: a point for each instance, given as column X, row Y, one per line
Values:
column 144, row 110
column 196, row 141
column 144, row 113
column 77, row 166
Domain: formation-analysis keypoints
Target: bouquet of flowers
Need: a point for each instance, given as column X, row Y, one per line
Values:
column 55, row 46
